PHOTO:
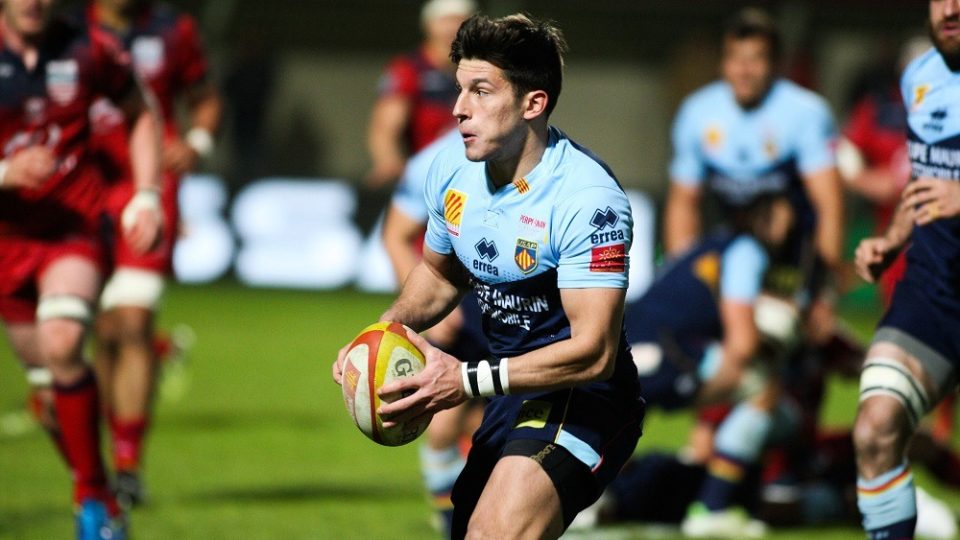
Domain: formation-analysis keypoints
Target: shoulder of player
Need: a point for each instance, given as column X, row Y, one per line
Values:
column 802, row 101
column 921, row 65
column 706, row 97
column 745, row 248
column 581, row 169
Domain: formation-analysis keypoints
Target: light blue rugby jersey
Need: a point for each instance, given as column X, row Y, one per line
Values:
column 740, row 153
column 567, row 224
column 408, row 196
column 931, row 94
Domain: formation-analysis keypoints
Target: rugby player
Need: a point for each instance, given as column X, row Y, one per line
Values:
column 753, row 132
column 564, row 412
column 911, row 364
column 50, row 201
column 416, row 92
column 165, row 49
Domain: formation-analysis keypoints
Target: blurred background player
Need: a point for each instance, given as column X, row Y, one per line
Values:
column 459, row 334
column 753, row 132
column 166, row 52
column 695, row 342
column 416, row 94
column 912, row 364
column 50, row 201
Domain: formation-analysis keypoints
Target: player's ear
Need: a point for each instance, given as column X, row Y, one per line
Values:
column 535, row 104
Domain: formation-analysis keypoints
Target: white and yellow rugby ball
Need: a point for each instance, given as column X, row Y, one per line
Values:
column 381, row 353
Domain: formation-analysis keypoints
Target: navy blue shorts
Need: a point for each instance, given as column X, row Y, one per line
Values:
column 926, row 327
column 598, row 423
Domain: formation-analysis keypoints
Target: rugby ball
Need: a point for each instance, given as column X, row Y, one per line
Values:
column 381, row 353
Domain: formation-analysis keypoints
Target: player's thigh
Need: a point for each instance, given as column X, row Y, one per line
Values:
column 67, row 289
column 23, row 340
column 71, row 275
column 519, row 501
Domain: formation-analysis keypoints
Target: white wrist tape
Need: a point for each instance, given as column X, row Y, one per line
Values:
column 486, row 378
column 3, row 170
column 144, row 199
column 201, row 141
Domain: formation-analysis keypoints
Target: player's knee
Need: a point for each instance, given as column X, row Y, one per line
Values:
column 132, row 287
column 60, row 342
column 886, row 377
column 878, row 429
column 133, row 326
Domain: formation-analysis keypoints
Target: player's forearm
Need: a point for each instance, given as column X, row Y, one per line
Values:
column 681, row 226
column 206, row 110
column 402, row 257
column 900, row 228
column 426, row 298
column 827, row 197
column 879, row 185
column 564, row 364
column 145, row 141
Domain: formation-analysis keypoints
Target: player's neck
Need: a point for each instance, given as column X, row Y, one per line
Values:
column 438, row 55
column 505, row 171
column 26, row 47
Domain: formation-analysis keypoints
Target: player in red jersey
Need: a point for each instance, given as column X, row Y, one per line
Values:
column 50, row 201
column 416, row 93
column 166, row 52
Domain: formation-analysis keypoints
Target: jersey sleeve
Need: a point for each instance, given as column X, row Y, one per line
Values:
column 398, row 79
column 436, row 237
column 816, row 140
column 860, row 127
column 191, row 64
column 742, row 268
column 686, row 166
column 593, row 230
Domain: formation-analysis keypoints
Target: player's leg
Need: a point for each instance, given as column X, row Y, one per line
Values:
column 67, row 288
column 519, row 501
column 22, row 335
column 896, row 389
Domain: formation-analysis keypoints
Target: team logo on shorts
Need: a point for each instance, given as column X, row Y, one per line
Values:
column 533, row 414
column 148, row 57
column 707, row 269
column 453, row 205
column 611, row 258
column 526, row 255
column 62, row 80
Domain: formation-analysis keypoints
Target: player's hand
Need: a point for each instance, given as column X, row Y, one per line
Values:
column 179, row 157
column 338, row 364
column 142, row 221
column 873, row 256
column 439, row 386
column 30, row 167
column 930, row 199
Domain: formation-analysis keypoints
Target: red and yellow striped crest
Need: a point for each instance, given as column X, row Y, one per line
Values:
column 453, row 205
column 521, row 185
column 526, row 255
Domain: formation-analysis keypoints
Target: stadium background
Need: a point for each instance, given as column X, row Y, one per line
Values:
column 251, row 441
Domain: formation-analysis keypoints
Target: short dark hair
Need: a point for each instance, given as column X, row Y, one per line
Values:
column 754, row 23
column 529, row 52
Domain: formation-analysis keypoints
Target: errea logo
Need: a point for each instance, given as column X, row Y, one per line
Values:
column 604, row 218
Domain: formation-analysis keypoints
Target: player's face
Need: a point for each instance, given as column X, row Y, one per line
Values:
column 945, row 27
column 27, row 17
column 748, row 68
column 489, row 112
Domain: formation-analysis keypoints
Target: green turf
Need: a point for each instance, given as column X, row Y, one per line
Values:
column 259, row 445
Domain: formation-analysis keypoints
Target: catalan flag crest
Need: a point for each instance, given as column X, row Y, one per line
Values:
column 526, row 255
column 521, row 185
column 453, row 205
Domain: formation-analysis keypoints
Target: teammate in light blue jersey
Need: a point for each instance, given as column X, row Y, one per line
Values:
column 753, row 133
column 913, row 361
column 460, row 333
column 539, row 229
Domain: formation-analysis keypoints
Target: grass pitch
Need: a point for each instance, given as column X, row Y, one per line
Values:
column 259, row 446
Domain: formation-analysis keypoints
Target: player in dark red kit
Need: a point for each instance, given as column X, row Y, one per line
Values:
column 50, row 200
column 165, row 50
column 416, row 93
